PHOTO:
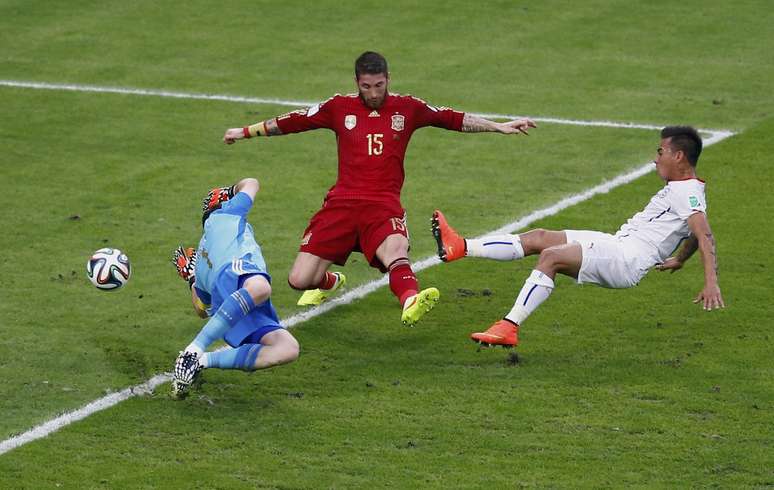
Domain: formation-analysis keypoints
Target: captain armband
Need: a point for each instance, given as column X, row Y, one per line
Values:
column 200, row 304
column 258, row 129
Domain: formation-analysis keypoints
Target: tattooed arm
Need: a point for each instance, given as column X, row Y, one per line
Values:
column 701, row 239
column 475, row 124
column 710, row 296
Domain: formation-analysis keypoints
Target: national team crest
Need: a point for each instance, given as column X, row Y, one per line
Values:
column 398, row 122
column 350, row 121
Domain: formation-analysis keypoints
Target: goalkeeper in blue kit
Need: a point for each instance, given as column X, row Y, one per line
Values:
column 230, row 285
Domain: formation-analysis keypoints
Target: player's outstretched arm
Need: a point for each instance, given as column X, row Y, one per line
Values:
column 264, row 128
column 710, row 296
column 476, row 124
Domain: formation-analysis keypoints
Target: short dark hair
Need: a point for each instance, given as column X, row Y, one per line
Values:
column 371, row 63
column 685, row 139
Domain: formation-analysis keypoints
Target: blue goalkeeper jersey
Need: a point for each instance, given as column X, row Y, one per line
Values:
column 227, row 238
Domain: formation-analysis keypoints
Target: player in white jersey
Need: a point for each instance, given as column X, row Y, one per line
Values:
column 676, row 214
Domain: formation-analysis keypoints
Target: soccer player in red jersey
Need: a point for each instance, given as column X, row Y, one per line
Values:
column 362, row 211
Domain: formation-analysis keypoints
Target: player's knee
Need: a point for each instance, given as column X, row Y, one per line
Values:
column 550, row 258
column 298, row 281
column 284, row 351
column 533, row 241
column 258, row 288
column 290, row 349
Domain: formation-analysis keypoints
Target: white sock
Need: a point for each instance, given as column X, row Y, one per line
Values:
column 497, row 247
column 537, row 288
column 204, row 360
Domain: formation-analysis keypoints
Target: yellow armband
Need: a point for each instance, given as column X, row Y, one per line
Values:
column 258, row 129
column 200, row 305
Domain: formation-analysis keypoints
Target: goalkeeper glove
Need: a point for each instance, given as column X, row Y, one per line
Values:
column 215, row 197
column 185, row 262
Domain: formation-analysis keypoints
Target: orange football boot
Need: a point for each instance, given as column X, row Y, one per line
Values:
column 451, row 246
column 503, row 333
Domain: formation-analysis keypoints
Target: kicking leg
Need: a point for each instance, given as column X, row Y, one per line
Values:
column 505, row 247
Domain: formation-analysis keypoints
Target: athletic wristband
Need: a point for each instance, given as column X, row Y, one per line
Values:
column 246, row 132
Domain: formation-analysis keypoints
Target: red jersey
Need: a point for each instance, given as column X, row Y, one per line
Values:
column 371, row 142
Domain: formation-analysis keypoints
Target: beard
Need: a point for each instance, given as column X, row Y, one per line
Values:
column 374, row 103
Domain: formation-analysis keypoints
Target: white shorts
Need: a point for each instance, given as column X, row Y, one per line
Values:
column 606, row 261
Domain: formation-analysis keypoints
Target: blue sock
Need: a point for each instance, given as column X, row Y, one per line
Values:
column 243, row 357
column 233, row 309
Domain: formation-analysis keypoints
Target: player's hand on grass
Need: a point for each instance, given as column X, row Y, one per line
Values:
column 233, row 135
column 671, row 264
column 710, row 297
column 185, row 263
column 517, row 126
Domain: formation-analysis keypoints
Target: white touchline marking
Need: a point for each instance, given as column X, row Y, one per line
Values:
column 292, row 103
column 68, row 418
column 350, row 296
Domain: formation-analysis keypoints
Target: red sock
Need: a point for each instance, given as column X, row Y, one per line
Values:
column 403, row 282
column 328, row 281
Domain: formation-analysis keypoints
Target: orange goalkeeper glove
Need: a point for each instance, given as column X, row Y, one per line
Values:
column 185, row 262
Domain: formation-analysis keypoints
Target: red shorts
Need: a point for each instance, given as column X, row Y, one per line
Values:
column 344, row 226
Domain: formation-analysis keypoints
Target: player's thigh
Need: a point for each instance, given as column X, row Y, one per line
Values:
column 384, row 234
column 308, row 268
column 278, row 337
column 332, row 235
column 393, row 247
column 566, row 259
column 606, row 264
column 537, row 240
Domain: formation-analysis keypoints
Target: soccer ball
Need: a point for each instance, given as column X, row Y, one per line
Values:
column 108, row 269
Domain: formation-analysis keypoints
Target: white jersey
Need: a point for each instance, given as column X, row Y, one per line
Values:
column 656, row 231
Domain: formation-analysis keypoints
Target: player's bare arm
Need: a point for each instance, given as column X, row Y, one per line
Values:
column 249, row 186
column 710, row 296
column 675, row 263
column 264, row 128
column 476, row 124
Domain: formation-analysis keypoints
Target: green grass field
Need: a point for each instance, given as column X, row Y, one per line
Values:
column 636, row 388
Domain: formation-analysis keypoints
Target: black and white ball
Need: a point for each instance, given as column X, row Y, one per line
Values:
column 108, row 269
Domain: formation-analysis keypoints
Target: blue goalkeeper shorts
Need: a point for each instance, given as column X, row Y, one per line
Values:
column 261, row 320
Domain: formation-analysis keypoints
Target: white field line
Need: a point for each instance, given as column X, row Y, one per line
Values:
column 352, row 295
column 295, row 103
